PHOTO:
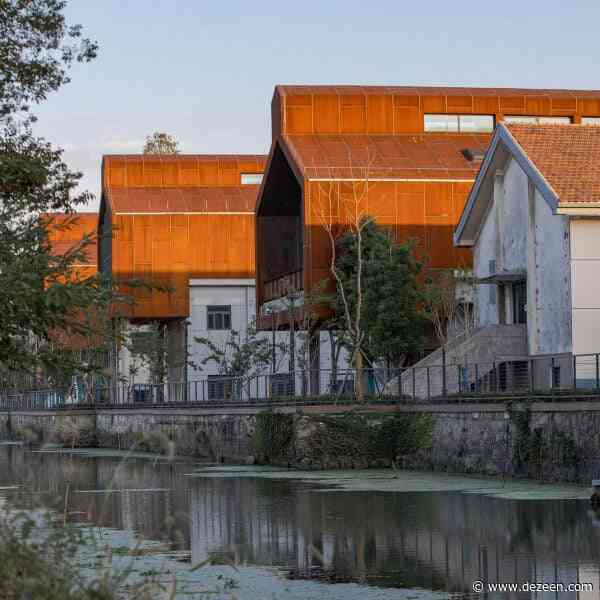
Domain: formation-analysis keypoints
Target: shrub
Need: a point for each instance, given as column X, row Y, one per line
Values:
column 273, row 435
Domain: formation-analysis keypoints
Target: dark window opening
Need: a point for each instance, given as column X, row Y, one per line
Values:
column 280, row 233
column 520, row 303
column 219, row 387
column 218, row 317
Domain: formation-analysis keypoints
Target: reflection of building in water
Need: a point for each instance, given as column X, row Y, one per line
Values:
column 441, row 541
column 445, row 541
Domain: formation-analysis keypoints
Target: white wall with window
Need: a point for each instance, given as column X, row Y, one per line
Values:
column 217, row 307
column 220, row 306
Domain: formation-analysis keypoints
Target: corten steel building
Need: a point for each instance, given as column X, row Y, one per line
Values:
column 67, row 231
column 407, row 156
column 185, row 222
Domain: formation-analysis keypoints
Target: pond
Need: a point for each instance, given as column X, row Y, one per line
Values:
column 380, row 534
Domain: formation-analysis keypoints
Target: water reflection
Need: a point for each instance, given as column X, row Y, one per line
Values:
column 441, row 541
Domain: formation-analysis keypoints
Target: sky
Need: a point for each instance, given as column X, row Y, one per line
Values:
column 204, row 70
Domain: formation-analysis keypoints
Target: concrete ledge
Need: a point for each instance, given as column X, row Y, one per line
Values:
column 190, row 411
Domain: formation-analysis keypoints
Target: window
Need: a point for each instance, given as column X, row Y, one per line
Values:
column 590, row 120
column 219, row 387
column 533, row 120
column 218, row 317
column 251, row 178
column 519, row 303
column 441, row 123
column 475, row 123
column 459, row 123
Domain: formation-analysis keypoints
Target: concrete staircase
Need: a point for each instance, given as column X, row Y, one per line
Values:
column 469, row 357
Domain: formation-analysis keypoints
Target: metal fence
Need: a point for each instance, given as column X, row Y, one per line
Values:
column 550, row 376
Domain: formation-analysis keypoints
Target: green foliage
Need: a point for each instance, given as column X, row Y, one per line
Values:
column 37, row 48
column 537, row 450
column 150, row 347
column 161, row 143
column 273, row 436
column 391, row 320
column 347, row 440
column 45, row 305
column 43, row 566
column 404, row 435
column 153, row 441
column 241, row 357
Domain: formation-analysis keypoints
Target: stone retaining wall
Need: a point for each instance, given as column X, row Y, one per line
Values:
column 550, row 441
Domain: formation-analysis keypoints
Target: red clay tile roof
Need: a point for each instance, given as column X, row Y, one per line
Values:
column 411, row 156
column 567, row 156
column 182, row 199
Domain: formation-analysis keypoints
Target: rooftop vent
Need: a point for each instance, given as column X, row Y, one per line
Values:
column 473, row 155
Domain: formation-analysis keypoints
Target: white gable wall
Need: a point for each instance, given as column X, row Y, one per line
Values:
column 485, row 296
column 521, row 234
column 552, row 299
column 513, row 228
column 503, row 239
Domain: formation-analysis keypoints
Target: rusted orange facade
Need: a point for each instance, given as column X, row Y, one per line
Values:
column 337, row 149
column 166, row 219
column 66, row 231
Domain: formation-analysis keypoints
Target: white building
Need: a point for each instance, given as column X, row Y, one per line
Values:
column 533, row 221
column 222, row 308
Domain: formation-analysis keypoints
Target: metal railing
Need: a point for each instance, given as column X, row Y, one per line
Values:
column 555, row 376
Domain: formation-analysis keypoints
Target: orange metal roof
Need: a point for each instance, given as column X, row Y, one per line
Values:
column 183, row 199
column 180, row 170
column 349, row 90
column 424, row 156
column 568, row 157
column 64, row 237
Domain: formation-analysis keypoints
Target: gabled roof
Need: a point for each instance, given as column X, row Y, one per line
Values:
column 410, row 156
column 562, row 161
column 182, row 183
column 567, row 156
column 195, row 200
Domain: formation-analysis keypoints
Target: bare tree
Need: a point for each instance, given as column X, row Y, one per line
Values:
column 450, row 309
column 352, row 217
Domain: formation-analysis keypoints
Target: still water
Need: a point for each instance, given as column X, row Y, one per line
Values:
column 429, row 539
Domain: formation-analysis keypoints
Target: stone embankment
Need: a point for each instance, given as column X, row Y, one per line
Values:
column 555, row 441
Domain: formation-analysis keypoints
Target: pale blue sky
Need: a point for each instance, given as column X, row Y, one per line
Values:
column 204, row 70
